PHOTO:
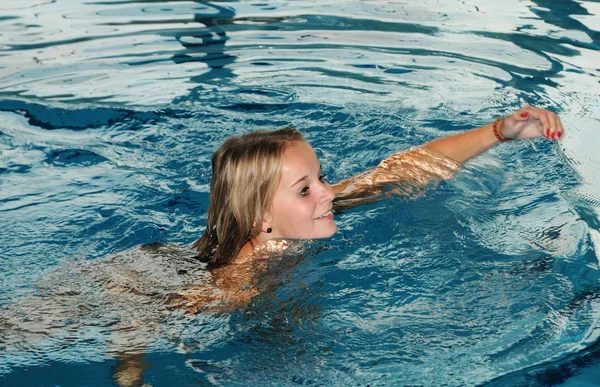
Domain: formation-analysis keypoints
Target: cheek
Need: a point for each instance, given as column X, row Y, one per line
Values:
column 300, row 210
column 296, row 213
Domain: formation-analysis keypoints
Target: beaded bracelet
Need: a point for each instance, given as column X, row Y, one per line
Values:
column 497, row 133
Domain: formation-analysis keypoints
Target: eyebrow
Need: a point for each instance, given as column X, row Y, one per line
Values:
column 306, row 177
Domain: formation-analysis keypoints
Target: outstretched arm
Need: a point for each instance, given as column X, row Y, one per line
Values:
column 414, row 170
column 529, row 122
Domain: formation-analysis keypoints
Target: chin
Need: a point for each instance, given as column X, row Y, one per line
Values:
column 329, row 234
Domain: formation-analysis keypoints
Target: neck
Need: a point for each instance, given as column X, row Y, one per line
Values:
column 261, row 247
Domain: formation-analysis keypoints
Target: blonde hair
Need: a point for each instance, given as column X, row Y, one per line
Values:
column 245, row 174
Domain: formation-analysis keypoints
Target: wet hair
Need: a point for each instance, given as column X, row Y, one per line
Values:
column 245, row 174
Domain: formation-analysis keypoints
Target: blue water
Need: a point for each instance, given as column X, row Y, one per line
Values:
column 110, row 111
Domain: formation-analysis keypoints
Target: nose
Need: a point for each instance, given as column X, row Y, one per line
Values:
column 327, row 194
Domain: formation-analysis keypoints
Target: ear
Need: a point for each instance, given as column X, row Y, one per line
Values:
column 266, row 223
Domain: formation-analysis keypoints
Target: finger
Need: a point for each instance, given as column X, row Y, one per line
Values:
column 558, row 127
column 542, row 116
column 551, row 128
column 520, row 115
column 523, row 114
column 561, row 129
column 555, row 133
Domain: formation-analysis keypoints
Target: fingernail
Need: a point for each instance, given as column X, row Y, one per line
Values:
column 552, row 135
column 546, row 133
column 524, row 114
column 559, row 135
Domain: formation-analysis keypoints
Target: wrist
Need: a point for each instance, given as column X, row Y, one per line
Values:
column 497, row 129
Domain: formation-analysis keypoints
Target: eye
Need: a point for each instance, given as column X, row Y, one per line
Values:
column 322, row 177
column 304, row 191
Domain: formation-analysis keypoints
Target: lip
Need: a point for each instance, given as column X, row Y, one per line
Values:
column 329, row 216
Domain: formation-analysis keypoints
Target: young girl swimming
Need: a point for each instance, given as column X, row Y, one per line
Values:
column 268, row 187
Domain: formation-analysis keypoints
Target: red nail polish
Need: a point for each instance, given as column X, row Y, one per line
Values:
column 546, row 133
column 524, row 114
column 559, row 135
column 552, row 135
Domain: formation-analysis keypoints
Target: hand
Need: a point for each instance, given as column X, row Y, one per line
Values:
column 532, row 122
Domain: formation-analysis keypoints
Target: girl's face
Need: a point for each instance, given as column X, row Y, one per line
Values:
column 303, row 200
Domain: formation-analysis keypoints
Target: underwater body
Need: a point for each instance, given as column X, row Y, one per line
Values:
column 111, row 110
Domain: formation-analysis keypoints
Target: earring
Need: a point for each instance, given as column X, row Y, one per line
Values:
column 269, row 230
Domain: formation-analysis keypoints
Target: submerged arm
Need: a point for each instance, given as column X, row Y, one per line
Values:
column 231, row 287
column 409, row 173
column 128, row 372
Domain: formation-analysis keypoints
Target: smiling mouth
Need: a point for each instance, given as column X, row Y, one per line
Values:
column 325, row 215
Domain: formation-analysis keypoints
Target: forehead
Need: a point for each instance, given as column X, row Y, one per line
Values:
column 299, row 159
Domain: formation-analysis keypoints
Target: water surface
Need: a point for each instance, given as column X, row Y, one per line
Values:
column 110, row 111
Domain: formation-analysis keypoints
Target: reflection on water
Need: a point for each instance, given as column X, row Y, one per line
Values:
column 565, row 15
column 210, row 45
column 110, row 111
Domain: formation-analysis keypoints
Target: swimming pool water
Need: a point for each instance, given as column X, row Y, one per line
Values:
column 110, row 111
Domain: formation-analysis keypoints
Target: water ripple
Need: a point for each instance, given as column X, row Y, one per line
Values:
column 110, row 112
